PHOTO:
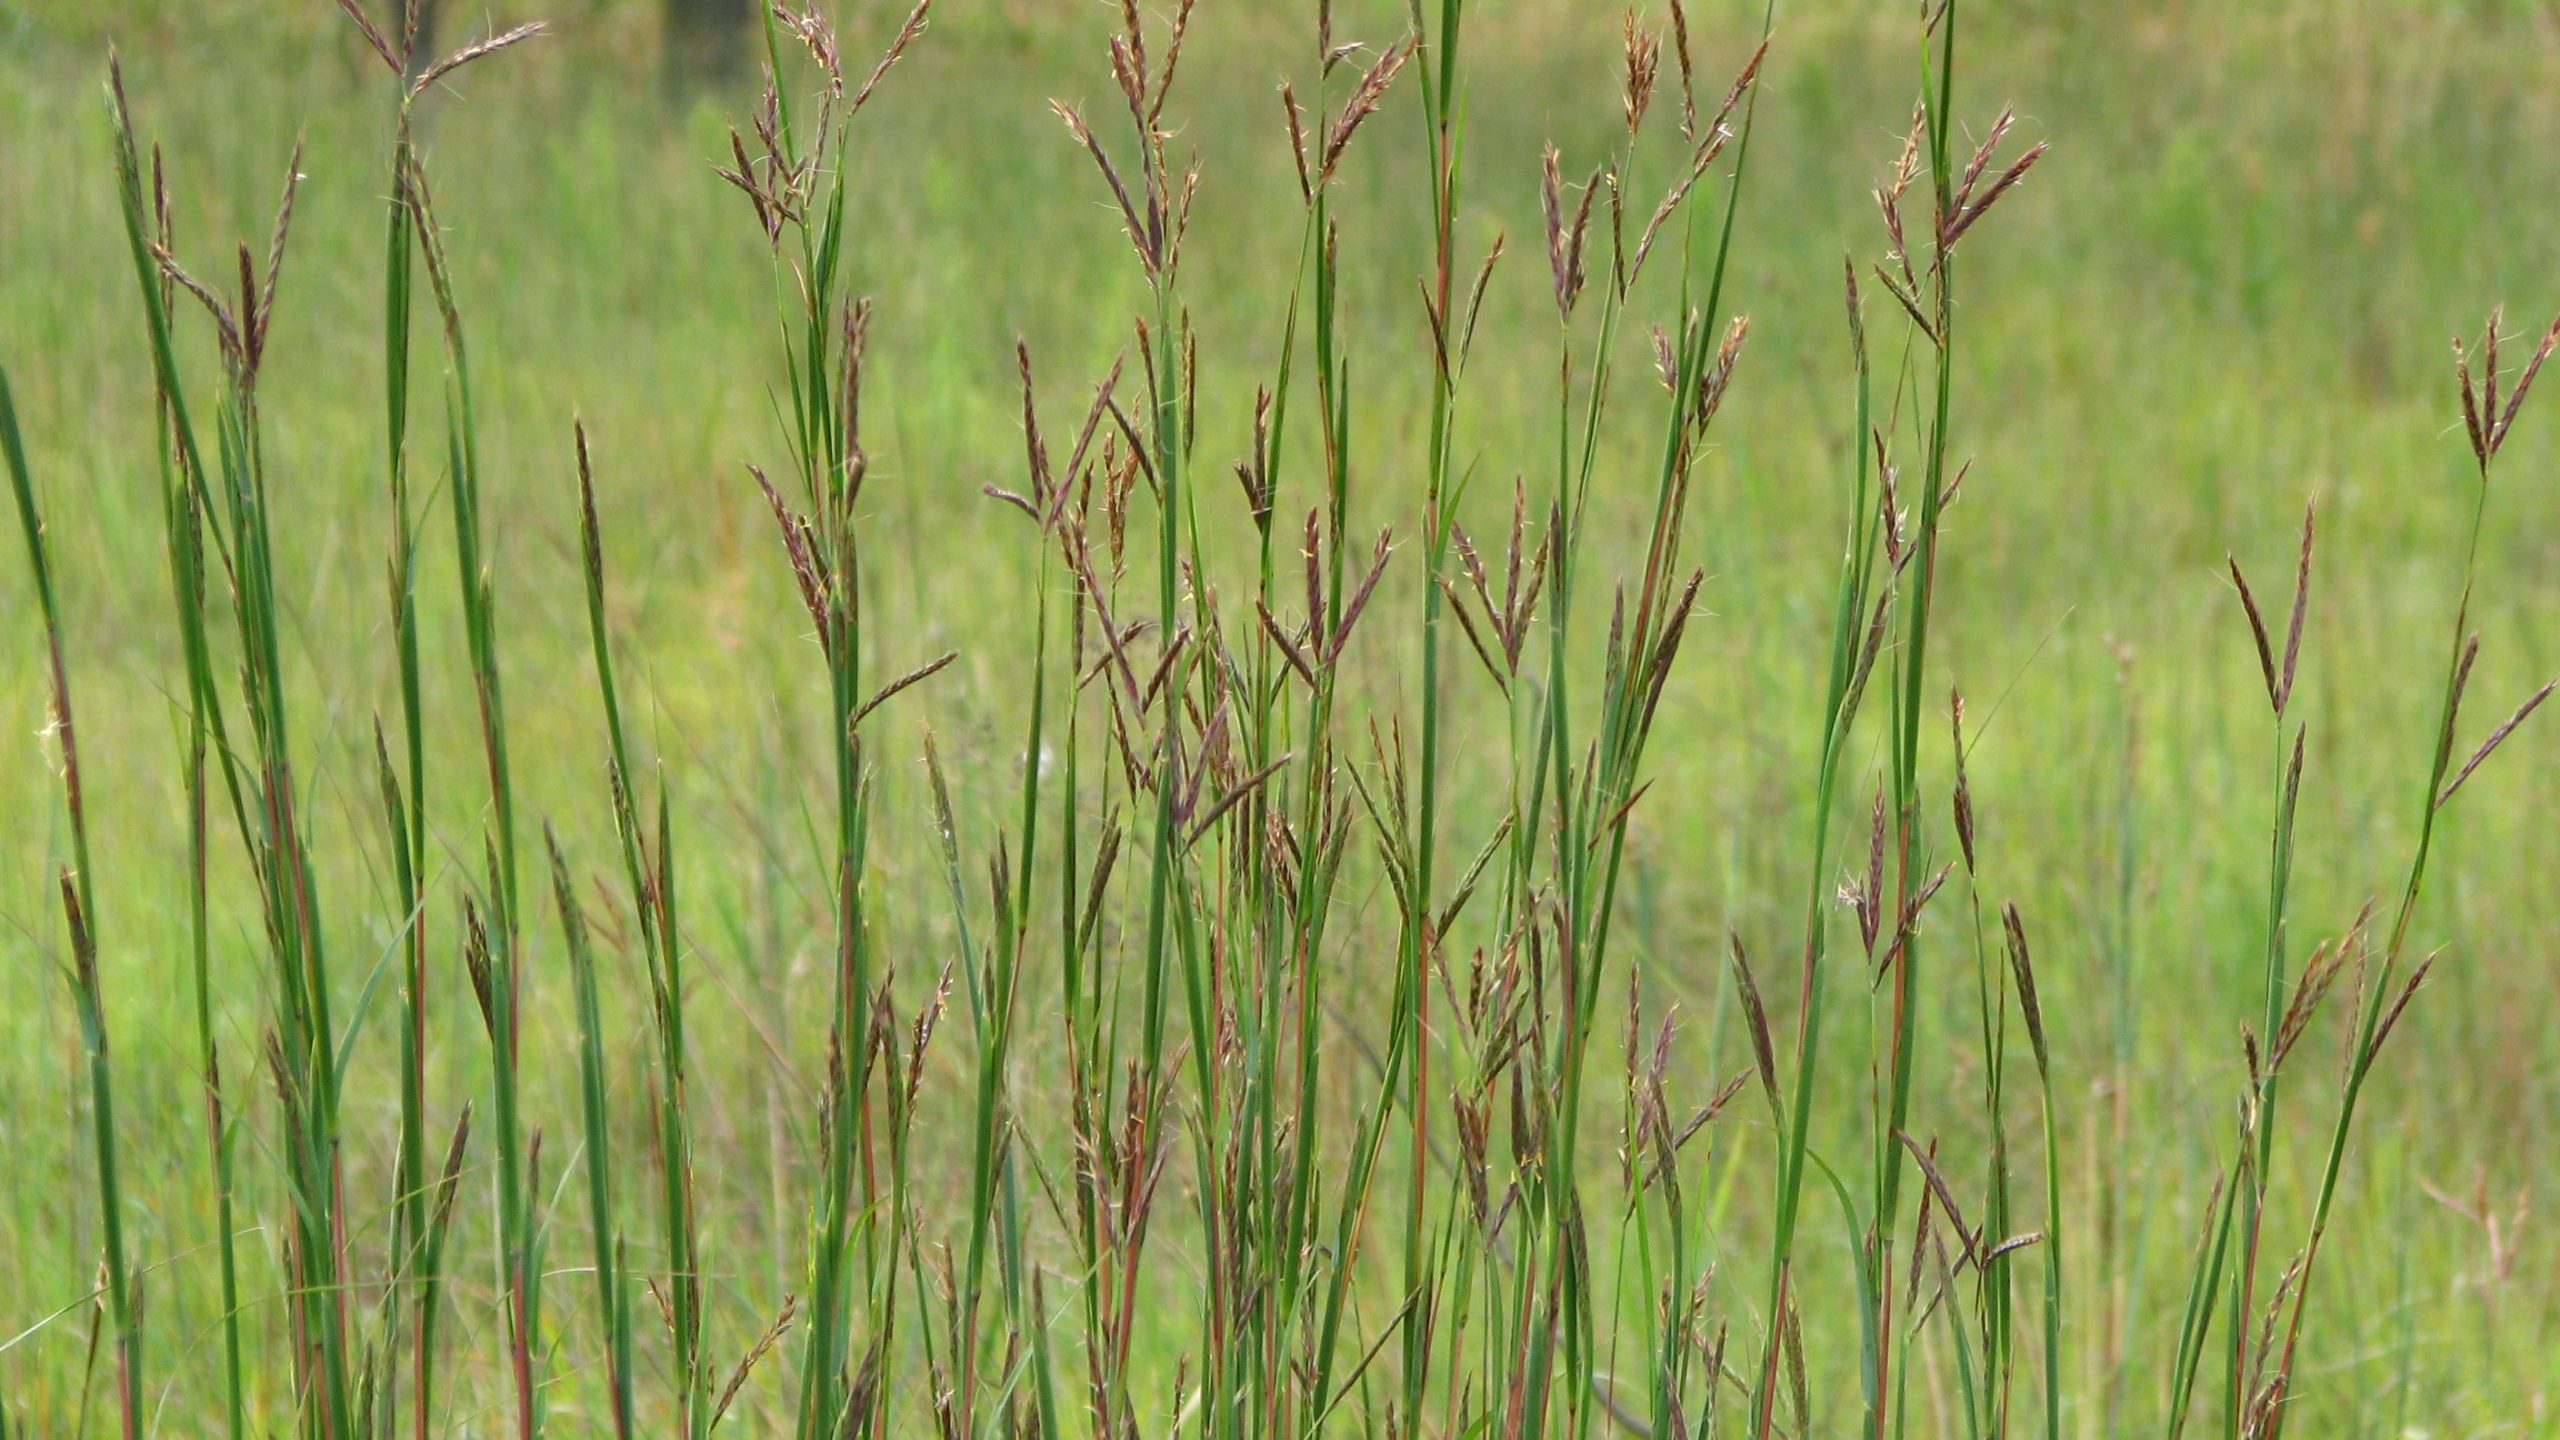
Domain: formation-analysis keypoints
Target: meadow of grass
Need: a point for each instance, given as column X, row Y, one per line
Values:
column 942, row 786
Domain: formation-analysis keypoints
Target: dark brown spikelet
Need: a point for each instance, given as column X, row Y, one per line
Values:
column 2257, row 627
column 1359, row 599
column 755, row 1354
column 1764, row 1055
column 908, row 34
column 258, row 299
column 799, row 543
column 1172, row 60
column 1965, row 207
column 2533, row 367
column 1254, row 474
column 2399, row 1006
column 1907, row 923
column 449, row 1180
column 1799, row 1389
column 469, row 53
column 1906, row 294
column 1743, row 80
column 2012, row 1245
column 1718, row 379
column 2496, row 738
column 2023, row 965
column 2319, row 974
column 1688, row 74
column 1298, row 140
column 226, row 327
column 1364, row 101
column 2293, row 772
column 590, row 528
column 1644, row 66
column 2484, row 420
column 1982, row 154
column 916, row 676
column 1889, row 506
column 1141, row 233
column 84, row 945
column 1475, row 294
column 475, row 961
column 2283, row 687
column 920, row 1035
column 1871, row 895
column 1964, row 786
column 1667, row 648
column 372, row 36
column 2470, row 399
column 2460, row 687
column 1937, row 1180
column 769, row 211
column 1857, row 309
column 1565, row 235
column 1639, row 1098
column 1922, row 1232
column 1035, row 450
column 1473, row 1121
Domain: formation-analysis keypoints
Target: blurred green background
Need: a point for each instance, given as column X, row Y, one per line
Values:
column 2229, row 290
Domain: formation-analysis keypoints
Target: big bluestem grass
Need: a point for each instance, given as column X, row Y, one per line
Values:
column 1286, row 958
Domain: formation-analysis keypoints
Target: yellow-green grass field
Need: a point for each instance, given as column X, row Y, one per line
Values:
column 2225, row 293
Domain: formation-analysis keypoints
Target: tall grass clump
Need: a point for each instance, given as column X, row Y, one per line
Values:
column 798, row 184
column 1307, row 1072
column 2265, row 1317
column 227, row 512
column 221, row 530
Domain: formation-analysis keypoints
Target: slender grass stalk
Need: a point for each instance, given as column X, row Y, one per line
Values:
column 404, row 789
column 493, row 922
column 79, row 915
column 2382, row 1006
column 2249, row 1197
column 1439, row 43
column 613, row 1299
column 1912, row 617
column 1857, row 628
column 2022, row 965
column 649, row 871
column 410, row 235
